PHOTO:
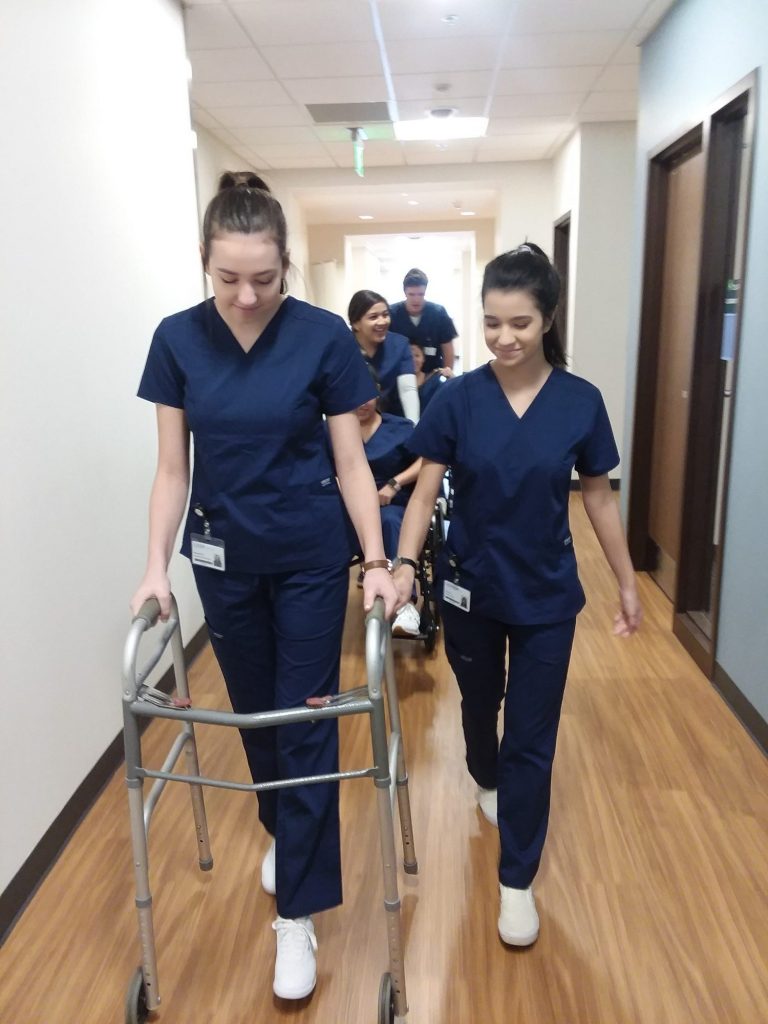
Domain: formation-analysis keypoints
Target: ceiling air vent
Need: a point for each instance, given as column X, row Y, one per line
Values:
column 348, row 113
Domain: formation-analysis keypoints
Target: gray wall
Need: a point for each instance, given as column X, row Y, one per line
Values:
column 701, row 49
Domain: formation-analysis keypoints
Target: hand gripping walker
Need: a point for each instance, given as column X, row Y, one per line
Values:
column 388, row 773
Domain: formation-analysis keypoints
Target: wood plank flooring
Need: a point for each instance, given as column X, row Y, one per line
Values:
column 652, row 892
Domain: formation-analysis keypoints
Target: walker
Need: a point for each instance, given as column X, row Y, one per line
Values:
column 388, row 773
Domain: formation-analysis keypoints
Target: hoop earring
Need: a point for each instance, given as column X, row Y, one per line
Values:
column 283, row 286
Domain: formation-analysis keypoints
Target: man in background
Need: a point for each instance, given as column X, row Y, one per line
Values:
column 424, row 323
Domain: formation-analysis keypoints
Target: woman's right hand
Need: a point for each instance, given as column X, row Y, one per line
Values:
column 157, row 585
column 403, row 578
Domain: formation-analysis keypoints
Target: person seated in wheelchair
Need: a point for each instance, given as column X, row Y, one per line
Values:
column 386, row 438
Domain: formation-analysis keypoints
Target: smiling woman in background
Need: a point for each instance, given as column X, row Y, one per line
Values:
column 388, row 355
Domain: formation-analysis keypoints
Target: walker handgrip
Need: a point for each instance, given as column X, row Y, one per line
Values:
column 377, row 612
column 149, row 612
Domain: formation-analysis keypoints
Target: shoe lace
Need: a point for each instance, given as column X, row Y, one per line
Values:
column 294, row 936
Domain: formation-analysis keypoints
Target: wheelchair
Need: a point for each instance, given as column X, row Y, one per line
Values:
column 425, row 575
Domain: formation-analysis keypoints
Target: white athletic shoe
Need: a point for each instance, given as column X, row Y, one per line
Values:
column 407, row 621
column 295, row 966
column 518, row 919
column 487, row 802
column 268, row 883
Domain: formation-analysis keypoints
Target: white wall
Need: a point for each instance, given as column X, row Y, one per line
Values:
column 700, row 50
column 566, row 180
column 602, row 266
column 99, row 242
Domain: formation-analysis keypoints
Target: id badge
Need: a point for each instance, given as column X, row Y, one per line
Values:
column 208, row 551
column 458, row 596
column 430, row 350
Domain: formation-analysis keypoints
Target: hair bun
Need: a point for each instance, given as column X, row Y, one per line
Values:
column 242, row 179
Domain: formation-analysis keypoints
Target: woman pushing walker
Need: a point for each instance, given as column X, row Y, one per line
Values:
column 512, row 431
column 250, row 374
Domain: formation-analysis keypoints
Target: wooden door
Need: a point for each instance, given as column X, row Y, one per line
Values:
column 680, row 282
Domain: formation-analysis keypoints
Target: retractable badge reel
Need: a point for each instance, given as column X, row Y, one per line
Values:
column 207, row 551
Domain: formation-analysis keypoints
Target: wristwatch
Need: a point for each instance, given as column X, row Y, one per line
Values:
column 394, row 485
column 405, row 561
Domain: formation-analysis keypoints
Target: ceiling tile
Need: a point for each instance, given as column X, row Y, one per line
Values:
column 376, row 154
column 527, row 125
column 372, row 89
column 609, row 103
column 627, row 53
column 532, row 16
column 546, row 80
column 297, row 162
column 561, row 49
column 239, row 94
column 417, row 56
column 517, row 143
column 467, row 107
column 461, row 83
column 253, row 117
column 273, row 135
column 212, row 28
column 618, row 78
column 241, row 65
column 613, row 115
column 402, row 19
column 550, row 105
column 200, row 116
column 285, row 151
column 292, row 22
column 420, row 158
column 653, row 14
column 331, row 60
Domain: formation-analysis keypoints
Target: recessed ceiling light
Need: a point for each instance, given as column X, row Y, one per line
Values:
column 466, row 213
column 413, row 202
column 436, row 129
column 450, row 19
column 365, row 216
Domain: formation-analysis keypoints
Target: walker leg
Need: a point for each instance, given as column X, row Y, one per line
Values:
column 143, row 894
column 198, row 804
column 410, row 863
column 391, row 899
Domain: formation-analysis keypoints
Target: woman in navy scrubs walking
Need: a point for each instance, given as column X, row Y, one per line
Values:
column 388, row 355
column 512, row 431
column 250, row 374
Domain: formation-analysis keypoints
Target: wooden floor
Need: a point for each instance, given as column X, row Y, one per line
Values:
column 652, row 892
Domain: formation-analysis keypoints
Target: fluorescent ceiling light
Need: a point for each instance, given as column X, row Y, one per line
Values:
column 433, row 129
column 467, row 213
column 365, row 216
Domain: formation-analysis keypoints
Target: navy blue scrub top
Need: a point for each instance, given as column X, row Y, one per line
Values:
column 429, row 389
column 434, row 329
column 388, row 453
column 262, row 469
column 391, row 359
column 509, row 541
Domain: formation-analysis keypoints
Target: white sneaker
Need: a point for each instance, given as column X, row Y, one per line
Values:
column 518, row 919
column 268, row 883
column 407, row 621
column 295, row 967
column 487, row 800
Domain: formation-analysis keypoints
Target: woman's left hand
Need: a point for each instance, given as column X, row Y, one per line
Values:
column 378, row 583
column 386, row 494
column 627, row 620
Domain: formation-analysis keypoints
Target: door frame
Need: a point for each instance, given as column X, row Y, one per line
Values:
column 704, row 430
column 561, row 257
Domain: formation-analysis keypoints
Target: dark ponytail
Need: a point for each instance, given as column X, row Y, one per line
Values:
column 244, row 205
column 528, row 269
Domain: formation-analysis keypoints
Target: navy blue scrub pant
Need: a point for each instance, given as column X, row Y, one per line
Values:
column 277, row 639
column 391, row 524
column 521, row 768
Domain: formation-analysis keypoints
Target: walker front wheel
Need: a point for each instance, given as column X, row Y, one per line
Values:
column 136, row 1011
column 386, row 1000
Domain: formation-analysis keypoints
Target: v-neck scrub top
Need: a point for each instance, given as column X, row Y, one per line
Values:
column 391, row 360
column 509, row 541
column 434, row 329
column 262, row 470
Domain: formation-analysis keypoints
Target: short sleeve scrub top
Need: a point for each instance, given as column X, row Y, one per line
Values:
column 263, row 476
column 509, row 541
